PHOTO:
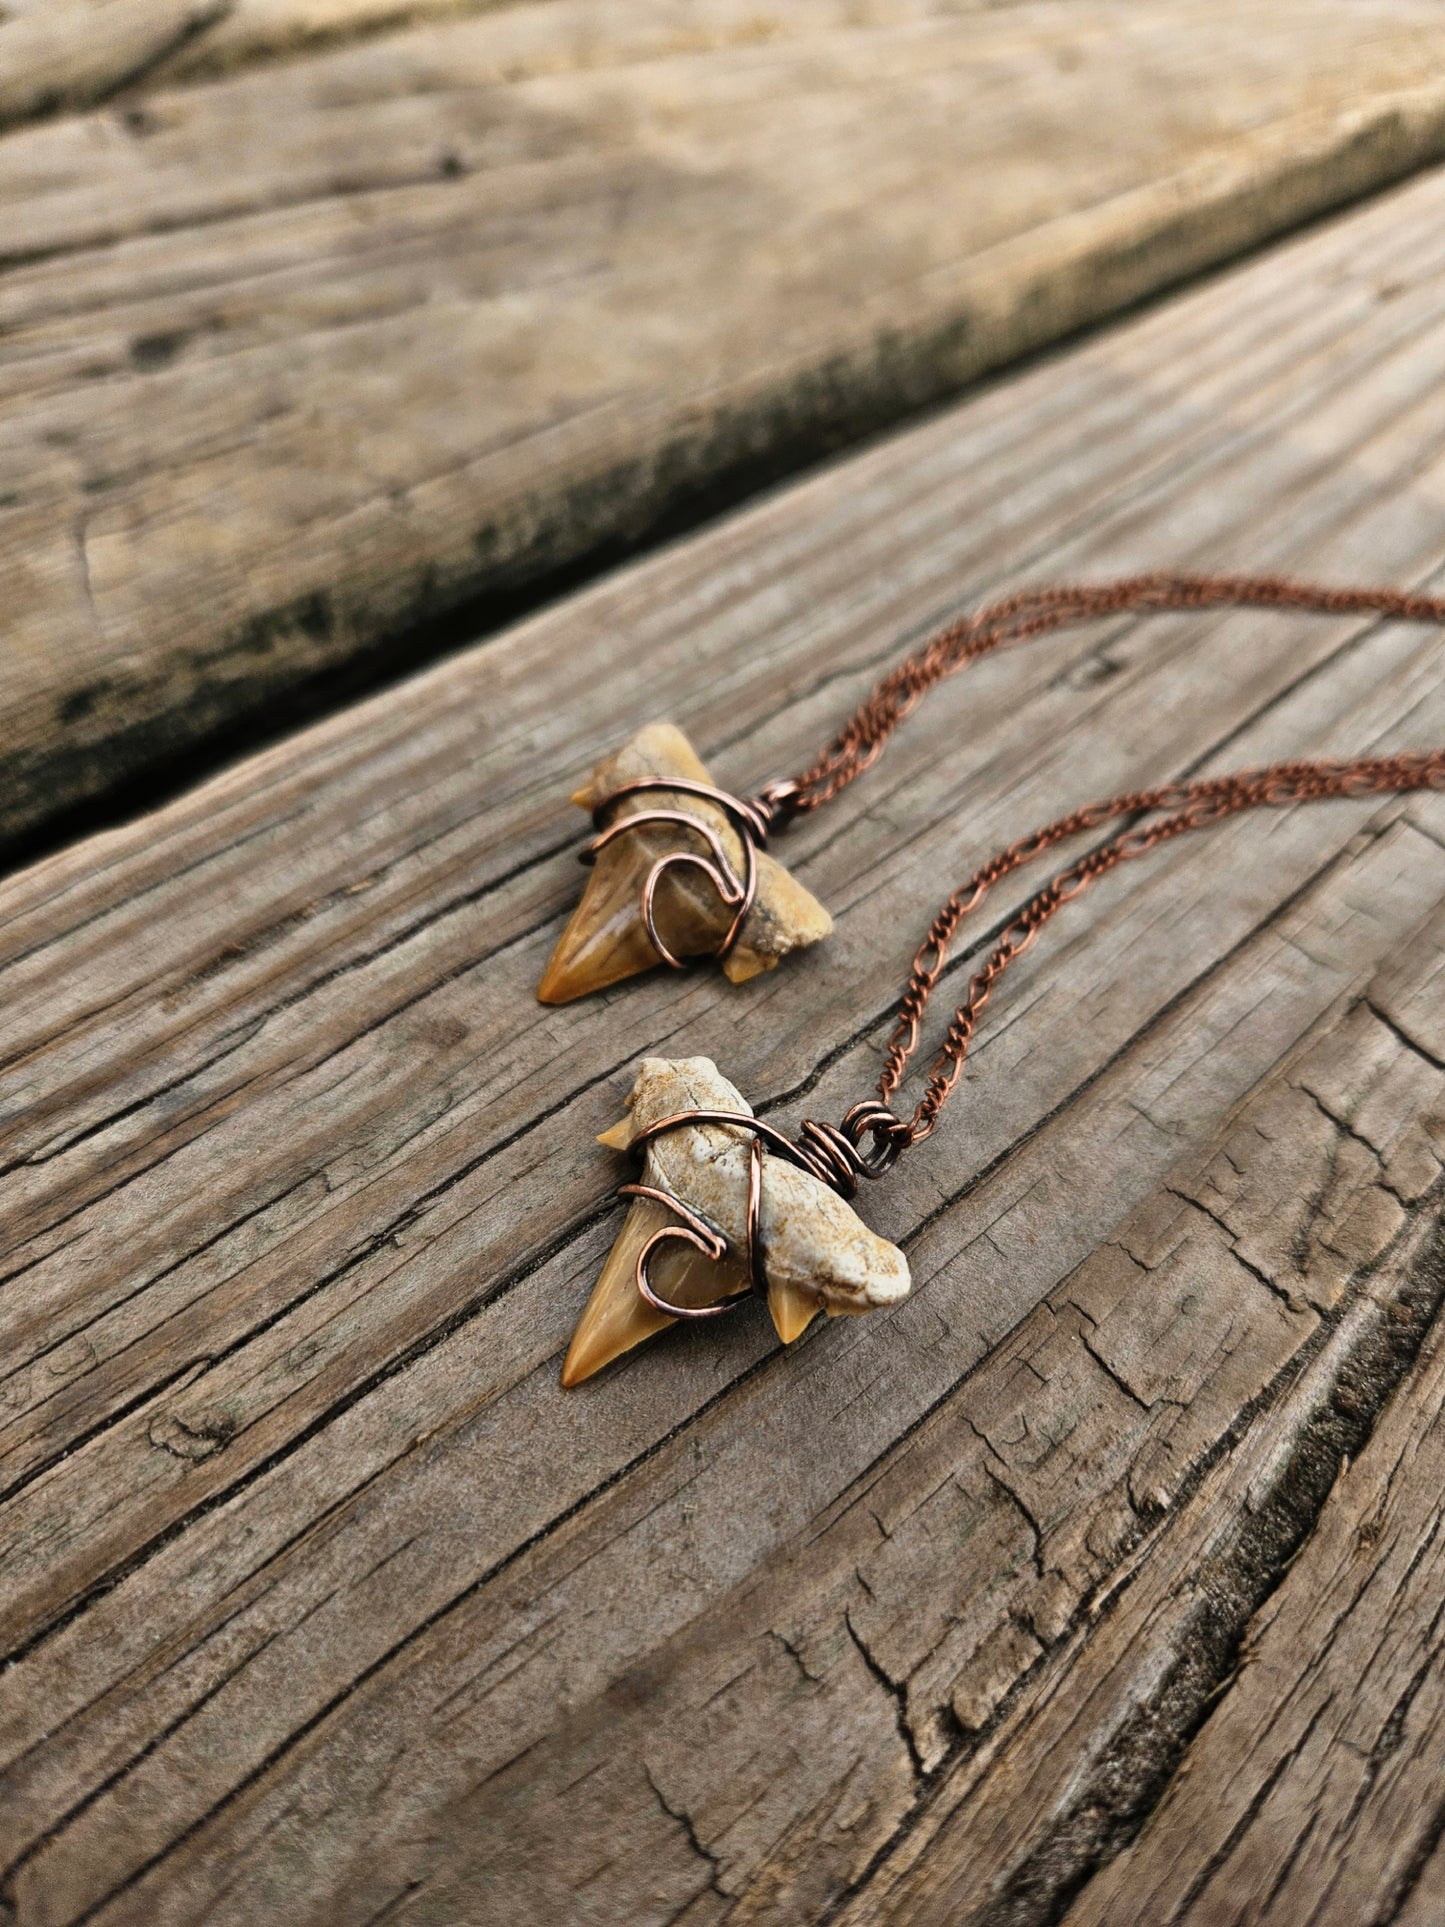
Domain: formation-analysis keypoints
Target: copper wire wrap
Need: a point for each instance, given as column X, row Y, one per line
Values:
column 835, row 1154
column 831, row 1153
column 750, row 817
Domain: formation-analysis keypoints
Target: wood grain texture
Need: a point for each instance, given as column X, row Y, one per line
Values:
column 1317, row 1786
column 294, row 362
column 72, row 53
column 322, row 1602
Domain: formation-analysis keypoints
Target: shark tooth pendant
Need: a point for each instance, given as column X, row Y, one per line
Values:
column 720, row 1207
column 678, row 872
column 725, row 1203
column 679, row 865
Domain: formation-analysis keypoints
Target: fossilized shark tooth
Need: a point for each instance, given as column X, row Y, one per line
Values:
column 818, row 1255
column 607, row 939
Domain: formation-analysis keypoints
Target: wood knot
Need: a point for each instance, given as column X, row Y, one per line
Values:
column 187, row 1441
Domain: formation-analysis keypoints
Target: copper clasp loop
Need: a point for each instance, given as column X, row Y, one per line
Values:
column 834, row 1153
column 775, row 802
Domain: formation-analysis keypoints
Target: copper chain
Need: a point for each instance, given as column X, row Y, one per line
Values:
column 1191, row 806
column 872, row 1136
column 834, row 1154
column 1186, row 806
column 1034, row 612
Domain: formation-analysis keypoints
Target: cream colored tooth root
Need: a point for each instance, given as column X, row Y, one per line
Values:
column 606, row 939
column 817, row 1252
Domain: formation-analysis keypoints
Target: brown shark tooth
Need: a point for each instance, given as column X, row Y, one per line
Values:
column 618, row 1316
column 792, row 1309
column 817, row 1253
column 606, row 938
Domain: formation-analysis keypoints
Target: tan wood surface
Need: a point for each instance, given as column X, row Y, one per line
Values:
column 322, row 1602
column 293, row 361
column 1319, row 1778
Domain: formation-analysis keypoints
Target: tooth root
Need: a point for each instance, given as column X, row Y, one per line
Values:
column 784, row 917
column 606, row 939
column 618, row 1316
column 793, row 1310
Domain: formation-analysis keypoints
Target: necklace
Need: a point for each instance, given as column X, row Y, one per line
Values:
column 679, row 866
column 726, row 1203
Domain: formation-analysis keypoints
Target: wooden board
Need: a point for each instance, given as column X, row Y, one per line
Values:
column 322, row 1602
column 1319, row 1777
column 296, row 362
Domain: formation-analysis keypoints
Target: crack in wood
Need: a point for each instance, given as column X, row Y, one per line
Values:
column 897, row 1697
column 1128, row 1783
column 690, row 1833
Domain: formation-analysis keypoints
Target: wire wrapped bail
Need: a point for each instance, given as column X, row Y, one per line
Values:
column 834, row 1152
column 776, row 803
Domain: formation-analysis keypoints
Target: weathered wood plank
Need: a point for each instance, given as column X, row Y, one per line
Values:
column 72, row 53
column 1315, row 1791
column 293, row 362
column 1099, row 1726
column 321, row 1599
column 545, row 36
column 57, row 54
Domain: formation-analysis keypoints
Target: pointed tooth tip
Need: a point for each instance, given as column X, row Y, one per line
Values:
column 607, row 1331
column 793, row 1311
column 559, row 983
column 617, row 1137
column 582, row 797
column 586, row 1361
column 616, row 1316
column 604, row 940
column 568, row 977
column 576, row 1370
column 548, row 992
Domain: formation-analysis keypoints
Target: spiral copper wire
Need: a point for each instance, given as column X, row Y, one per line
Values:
column 829, row 1152
column 750, row 817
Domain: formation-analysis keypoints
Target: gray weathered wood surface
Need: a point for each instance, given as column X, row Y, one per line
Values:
column 323, row 1603
column 295, row 360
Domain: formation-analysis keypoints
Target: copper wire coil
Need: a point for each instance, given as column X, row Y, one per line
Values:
column 828, row 1152
column 751, row 818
